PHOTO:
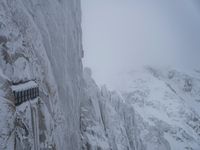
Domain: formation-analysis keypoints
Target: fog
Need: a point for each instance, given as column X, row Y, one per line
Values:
column 121, row 35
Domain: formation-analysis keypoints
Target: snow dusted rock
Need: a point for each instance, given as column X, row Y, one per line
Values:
column 166, row 107
column 106, row 121
column 92, row 127
column 41, row 41
column 156, row 109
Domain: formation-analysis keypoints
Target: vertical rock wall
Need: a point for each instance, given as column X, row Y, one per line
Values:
column 41, row 40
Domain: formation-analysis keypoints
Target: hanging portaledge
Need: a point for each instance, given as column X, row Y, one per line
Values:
column 25, row 91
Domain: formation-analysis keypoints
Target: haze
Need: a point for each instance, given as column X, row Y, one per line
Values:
column 121, row 35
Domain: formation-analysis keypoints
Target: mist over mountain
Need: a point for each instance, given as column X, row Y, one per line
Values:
column 119, row 36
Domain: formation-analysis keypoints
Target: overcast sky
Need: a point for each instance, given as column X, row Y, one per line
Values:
column 121, row 35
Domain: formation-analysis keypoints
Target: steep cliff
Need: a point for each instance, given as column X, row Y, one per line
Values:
column 41, row 41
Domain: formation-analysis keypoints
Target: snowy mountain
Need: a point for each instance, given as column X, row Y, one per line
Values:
column 157, row 109
column 40, row 41
column 167, row 105
column 41, row 48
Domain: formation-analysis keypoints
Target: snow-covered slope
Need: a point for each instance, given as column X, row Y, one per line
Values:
column 157, row 109
column 167, row 107
column 41, row 40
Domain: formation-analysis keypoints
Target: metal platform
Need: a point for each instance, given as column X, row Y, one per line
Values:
column 25, row 91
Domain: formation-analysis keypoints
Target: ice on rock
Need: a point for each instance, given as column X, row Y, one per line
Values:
column 106, row 121
column 41, row 41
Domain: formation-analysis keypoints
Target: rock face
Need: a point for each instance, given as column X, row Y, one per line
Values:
column 107, row 122
column 41, row 41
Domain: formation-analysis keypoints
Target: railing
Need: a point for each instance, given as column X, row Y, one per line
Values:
column 25, row 92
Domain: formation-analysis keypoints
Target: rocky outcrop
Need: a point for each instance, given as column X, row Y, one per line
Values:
column 107, row 122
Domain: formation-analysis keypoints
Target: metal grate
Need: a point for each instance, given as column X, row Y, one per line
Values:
column 25, row 91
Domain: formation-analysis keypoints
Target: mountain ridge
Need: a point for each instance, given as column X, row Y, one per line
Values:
column 165, row 110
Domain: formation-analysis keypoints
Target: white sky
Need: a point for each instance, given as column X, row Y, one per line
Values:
column 121, row 35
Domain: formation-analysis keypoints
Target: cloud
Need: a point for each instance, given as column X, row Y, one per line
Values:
column 120, row 35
